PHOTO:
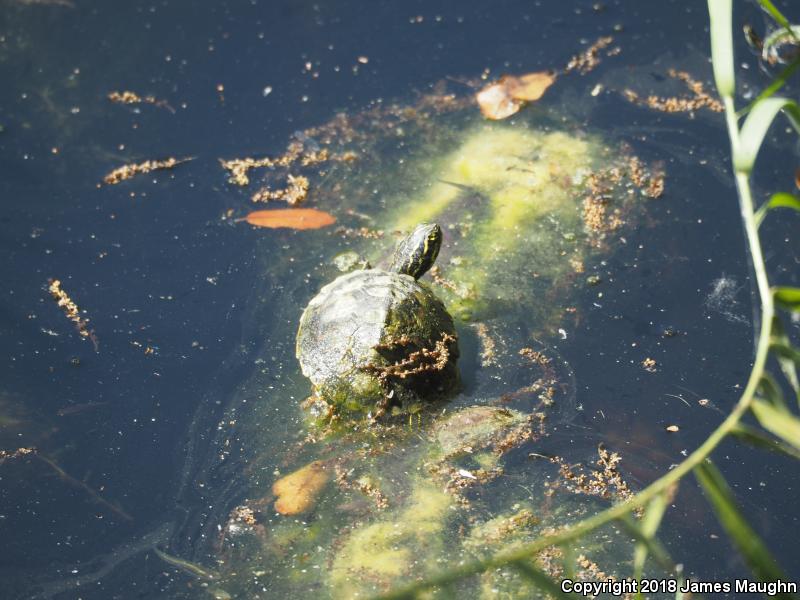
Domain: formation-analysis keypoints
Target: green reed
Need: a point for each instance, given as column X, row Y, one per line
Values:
column 763, row 398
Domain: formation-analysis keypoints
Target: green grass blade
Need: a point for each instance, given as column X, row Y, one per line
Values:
column 779, row 200
column 778, row 422
column 568, row 561
column 788, row 298
column 753, row 550
column 719, row 12
column 779, row 81
column 770, row 390
column 540, row 579
column 755, row 128
column 788, row 356
column 777, row 15
column 757, row 439
column 649, row 526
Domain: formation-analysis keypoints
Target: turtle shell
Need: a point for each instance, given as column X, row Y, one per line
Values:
column 367, row 321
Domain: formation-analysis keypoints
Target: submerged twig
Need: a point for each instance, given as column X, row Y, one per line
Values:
column 66, row 477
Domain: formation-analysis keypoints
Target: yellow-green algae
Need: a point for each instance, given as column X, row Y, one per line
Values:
column 386, row 551
column 510, row 201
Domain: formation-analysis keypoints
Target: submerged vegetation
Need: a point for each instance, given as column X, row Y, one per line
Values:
column 641, row 514
column 356, row 486
column 353, row 498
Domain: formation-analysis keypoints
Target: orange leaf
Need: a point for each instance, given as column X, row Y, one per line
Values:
column 528, row 87
column 293, row 218
column 504, row 98
column 298, row 491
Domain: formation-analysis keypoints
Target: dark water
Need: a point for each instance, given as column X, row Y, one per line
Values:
column 184, row 311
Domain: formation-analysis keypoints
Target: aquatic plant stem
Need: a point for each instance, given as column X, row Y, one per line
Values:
column 618, row 511
column 663, row 483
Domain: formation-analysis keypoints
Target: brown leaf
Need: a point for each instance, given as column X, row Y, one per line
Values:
column 298, row 491
column 530, row 87
column 504, row 98
column 797, row 178
column 293, row 218
column 496, row 103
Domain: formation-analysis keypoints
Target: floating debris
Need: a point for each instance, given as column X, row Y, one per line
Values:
column 504, row 98
column 673, row 428
column 296, row 151
column 298, row 491
column 18, row 453
column 361, row 232
column 535, row 356
column 74, row 409
column 294, row 193
column 605, row 482
column 590, row 58
column 71, row 310
column 649, row 365
column 239, row 167
column 488, row 345
column 699, row 99
column 127, row 171
column 128, row 97
column 363, row 485
column 291, row 218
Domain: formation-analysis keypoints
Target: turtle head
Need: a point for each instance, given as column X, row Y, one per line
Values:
column 418, row 251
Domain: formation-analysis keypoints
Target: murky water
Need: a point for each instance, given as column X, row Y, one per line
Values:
column 172, row 433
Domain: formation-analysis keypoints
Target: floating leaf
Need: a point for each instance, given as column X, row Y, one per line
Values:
column 504, row 98
column 298, row 491
column 496, row 103
column 293, row 218
column 530, row 87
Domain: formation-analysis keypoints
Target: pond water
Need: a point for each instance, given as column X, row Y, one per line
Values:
column 159, row 436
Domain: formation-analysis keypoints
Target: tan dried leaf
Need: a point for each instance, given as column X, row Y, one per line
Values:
column 298, row 491
column 530, row 87
column 502, row 99
column 496, row 103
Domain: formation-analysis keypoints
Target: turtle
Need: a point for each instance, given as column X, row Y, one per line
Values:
column 380, row 337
